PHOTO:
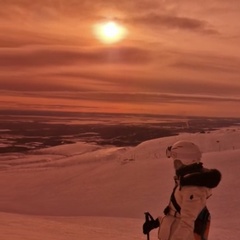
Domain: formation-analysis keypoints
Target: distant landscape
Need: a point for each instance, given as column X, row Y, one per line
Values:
column 24, row 131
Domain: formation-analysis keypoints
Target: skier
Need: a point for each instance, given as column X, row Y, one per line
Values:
column 186, row 216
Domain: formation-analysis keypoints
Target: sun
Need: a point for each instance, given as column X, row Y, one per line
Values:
column 110, row 32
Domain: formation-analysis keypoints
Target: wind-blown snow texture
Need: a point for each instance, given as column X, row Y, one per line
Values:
column 83, row 191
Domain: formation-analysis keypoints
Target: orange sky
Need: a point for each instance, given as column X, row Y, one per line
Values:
column 179, row 57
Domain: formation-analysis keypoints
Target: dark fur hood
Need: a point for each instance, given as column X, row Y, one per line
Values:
column 196, row 175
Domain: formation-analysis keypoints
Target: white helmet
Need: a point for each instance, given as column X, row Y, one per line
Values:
column 187, row 152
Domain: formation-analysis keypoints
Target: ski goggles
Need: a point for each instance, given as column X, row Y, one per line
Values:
column 168, row 151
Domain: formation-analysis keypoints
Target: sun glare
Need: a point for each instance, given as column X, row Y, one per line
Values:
column 110, row 32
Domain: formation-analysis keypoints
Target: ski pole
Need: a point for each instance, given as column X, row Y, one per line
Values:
column 147, row 220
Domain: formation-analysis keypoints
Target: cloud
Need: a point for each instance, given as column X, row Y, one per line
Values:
column 60, row 11
column 115, row 81
column 206, row 62
column 173, row 22
column 207, row 67
column 11, row 37
column 45, row 57
column 72, row 7
column 60, row 22
column 151, row 13
column 35, row 83
column 50, row 46
column 151, row 98
column 120, row 102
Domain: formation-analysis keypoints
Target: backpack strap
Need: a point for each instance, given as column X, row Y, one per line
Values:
column 175, row 204
column 174, row 201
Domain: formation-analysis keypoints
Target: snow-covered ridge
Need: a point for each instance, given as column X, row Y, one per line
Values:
column 102, row 192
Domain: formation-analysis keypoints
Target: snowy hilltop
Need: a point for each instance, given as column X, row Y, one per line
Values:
column 87, row 191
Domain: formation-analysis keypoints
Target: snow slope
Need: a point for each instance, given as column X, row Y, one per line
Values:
column 84, row 191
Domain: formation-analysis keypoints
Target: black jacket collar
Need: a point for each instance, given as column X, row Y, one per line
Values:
column 196, row 175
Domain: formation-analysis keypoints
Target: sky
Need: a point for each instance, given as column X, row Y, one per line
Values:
column 176, row 57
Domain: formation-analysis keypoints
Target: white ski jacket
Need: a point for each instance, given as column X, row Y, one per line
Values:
column 175, row 226
column 191, row 194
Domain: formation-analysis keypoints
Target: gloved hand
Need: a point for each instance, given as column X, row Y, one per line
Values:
column 150, row 223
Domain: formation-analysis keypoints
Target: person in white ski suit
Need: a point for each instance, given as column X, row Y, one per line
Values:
column 193, row 185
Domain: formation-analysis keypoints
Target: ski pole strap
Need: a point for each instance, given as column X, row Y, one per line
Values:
column 148, row 217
